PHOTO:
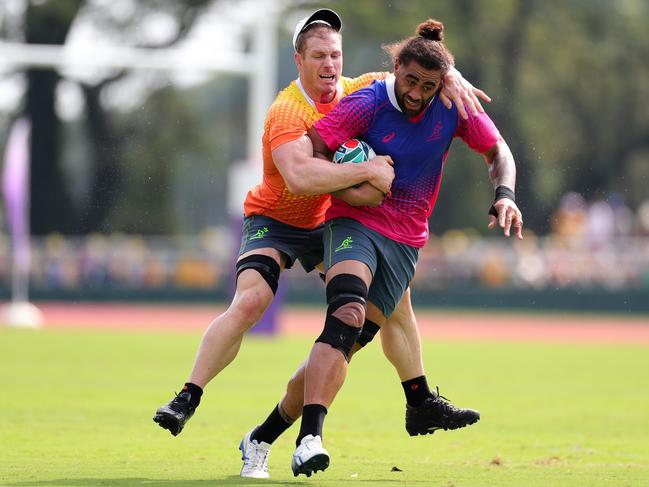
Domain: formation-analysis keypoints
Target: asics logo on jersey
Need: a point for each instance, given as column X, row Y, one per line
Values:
column 345, row 244
column 437, row 132
column 388, row 137
column 260, row 233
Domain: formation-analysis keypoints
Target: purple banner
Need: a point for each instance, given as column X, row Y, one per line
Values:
column 15, row 187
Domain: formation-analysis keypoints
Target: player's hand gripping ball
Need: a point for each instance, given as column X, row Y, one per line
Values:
column 353, row 150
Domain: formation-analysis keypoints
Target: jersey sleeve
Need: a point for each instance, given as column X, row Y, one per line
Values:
column 365, row 80
column 479, row 132
column 285, row 122
column 350, row 119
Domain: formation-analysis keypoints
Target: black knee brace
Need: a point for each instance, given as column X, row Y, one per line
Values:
column 267, row 267
column 370, row 329
column 341, row 290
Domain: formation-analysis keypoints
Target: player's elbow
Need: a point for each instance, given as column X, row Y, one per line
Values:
column 297, row 186
column 500, row 148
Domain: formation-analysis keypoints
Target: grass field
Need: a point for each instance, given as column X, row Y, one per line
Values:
column 77, row 407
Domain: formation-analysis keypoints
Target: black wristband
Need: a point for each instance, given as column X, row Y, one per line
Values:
column 502, row 192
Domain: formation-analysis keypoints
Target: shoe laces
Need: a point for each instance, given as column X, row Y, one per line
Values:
column 259, row 458
column 439, row 395
column 312, row 443
column 180, row 403
column 445, row 402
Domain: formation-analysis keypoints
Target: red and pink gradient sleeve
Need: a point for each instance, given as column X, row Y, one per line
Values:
column 350, row 119
column 479, row 132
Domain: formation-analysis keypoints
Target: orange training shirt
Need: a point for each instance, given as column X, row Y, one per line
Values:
column 288, row 119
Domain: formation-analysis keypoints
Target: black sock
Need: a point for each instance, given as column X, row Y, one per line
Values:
column 268, row 431
column 313, row 416
column 416, row 390
column 195, row 393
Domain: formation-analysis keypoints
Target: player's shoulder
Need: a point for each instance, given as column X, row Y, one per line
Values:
column 289, row 102
column 364, row 80
column 289, row 96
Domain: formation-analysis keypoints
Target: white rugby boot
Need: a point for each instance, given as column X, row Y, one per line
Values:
column 309, row 456
column 255, row 457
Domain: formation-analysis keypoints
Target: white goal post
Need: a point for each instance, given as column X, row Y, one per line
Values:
column 258, row 66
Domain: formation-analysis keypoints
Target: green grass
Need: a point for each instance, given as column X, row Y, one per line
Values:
column 77, row 405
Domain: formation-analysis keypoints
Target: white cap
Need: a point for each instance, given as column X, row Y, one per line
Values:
column 323, row 16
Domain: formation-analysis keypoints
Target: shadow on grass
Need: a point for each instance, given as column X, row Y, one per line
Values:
column 124, row 482
column 231, row 480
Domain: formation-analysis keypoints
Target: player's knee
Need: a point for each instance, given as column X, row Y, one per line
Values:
column 346, row 297
column 250, row 306
column 352, row 314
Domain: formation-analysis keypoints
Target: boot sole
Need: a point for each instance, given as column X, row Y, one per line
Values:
column 169, row 423
column 312, row 465
column 430, row 431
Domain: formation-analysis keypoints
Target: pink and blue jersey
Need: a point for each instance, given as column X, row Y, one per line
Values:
column 418, row 146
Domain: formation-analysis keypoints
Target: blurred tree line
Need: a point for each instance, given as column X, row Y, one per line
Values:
column 567, row 80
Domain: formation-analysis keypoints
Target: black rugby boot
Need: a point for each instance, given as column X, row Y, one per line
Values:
column 437, row 413
column 173, row 415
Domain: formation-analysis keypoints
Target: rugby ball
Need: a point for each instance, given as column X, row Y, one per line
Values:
column 353, row 150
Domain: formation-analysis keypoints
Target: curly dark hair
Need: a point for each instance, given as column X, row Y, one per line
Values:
column 426, row 48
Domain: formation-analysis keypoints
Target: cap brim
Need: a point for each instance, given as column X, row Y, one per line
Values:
column 325, row 15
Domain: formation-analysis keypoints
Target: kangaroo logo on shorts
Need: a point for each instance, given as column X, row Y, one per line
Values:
column 346, row 244
column 260, row 233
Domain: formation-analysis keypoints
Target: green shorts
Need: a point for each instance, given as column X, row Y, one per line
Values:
column 295, row 243
column 392, row 263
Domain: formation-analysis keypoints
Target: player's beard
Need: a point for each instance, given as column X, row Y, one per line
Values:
column 412, row 109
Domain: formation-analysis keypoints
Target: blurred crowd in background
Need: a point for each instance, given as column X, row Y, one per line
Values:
column 596, row 244
column 134, row 171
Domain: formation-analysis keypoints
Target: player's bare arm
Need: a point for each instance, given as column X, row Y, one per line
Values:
column 308, row 175
column 363, row 195
column 380, row 167
column 502, row 172
column 458, row 90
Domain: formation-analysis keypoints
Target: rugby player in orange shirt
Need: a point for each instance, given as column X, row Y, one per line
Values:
column 283, row 223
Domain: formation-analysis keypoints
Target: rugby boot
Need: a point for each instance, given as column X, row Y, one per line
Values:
column 436, row 413
column 255, row 458
column 309, row 456
column 173, row 415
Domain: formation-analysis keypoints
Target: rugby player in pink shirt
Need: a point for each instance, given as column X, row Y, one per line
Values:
column 371, row 252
